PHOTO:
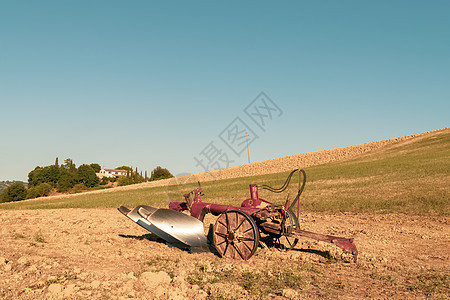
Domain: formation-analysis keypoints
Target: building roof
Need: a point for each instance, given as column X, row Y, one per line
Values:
column 114, row 170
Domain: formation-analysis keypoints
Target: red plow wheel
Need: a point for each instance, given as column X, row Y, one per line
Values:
column 286, row 241
column 236, row 235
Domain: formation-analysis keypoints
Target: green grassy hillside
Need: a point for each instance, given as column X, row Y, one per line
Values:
column 411, row 177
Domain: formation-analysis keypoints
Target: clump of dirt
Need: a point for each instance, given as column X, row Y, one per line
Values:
column 99, row 253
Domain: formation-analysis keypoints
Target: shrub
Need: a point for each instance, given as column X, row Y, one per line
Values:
column 67, row 180
column 34, row 177
column 87, row 176
column 106, row 180
column 124, row 180
column 32, row 193
column 14, row 192
column 49, row 174
column 96, row 167
column 77, row 188
column 42, row 190
column 160, row 173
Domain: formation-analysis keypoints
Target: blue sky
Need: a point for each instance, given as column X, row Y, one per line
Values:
column 148, row 83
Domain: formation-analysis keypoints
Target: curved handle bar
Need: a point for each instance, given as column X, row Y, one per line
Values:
column 300, row 190
column 285, row 185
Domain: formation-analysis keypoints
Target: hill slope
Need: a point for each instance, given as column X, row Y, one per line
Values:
column 407, row 174
column 304, row 160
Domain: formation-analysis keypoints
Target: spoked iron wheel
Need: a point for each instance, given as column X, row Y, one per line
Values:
column 236, row 235
column 286, row 241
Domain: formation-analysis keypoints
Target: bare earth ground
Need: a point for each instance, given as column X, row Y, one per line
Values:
column 100, row 254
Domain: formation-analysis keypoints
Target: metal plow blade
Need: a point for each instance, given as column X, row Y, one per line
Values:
column 176, row 228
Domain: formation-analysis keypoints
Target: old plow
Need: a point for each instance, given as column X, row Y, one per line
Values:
column 238, row 230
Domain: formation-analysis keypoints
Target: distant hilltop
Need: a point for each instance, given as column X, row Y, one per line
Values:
column 5, row 184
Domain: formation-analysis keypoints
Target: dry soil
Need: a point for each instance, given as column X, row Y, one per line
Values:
column 101, row 254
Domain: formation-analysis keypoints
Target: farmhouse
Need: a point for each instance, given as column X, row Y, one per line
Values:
column 111, row 173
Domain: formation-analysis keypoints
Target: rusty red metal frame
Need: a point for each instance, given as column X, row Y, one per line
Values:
column 237, row 230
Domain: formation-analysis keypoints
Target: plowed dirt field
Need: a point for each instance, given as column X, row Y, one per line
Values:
column 100, row 254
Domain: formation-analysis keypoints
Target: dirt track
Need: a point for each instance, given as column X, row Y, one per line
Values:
column 100, row 254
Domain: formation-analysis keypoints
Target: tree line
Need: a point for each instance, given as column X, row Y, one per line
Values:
column 67, row 178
